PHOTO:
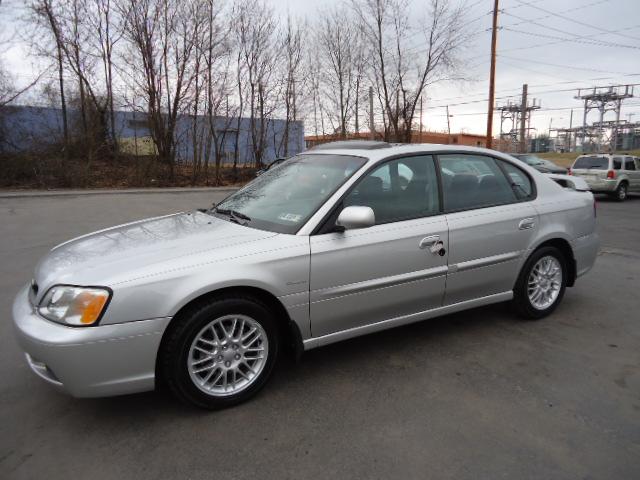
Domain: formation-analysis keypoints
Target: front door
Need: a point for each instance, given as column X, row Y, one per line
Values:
column 491, row 224
column 361, row 277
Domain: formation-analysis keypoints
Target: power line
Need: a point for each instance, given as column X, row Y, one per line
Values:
column 544, row 17
column 554, row 109
column 568, row 67
column 484, row 99
column 553, row 29
column 576, row 40
column 556, row 41
column 573, row 20
column 504, row 97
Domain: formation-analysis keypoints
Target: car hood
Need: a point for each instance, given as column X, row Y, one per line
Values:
column 114, row 253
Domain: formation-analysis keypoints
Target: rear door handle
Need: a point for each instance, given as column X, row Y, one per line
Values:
column 428, row 241
column 526, row 223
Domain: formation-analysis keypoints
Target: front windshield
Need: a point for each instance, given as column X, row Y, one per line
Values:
column 282, row 199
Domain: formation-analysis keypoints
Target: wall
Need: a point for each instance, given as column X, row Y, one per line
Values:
column 23, row 128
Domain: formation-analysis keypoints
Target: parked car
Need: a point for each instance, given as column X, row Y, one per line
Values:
column 335, row 243
column 275, row 163
column 540, row 164
column 613, row 174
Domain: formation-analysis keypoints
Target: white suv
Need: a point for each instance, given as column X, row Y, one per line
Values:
column 616, row 175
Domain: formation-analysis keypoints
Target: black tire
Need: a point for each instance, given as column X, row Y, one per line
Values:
column 621, row 192
column 521, row 302
column 175, row 348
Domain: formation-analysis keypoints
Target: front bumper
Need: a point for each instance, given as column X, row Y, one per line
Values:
column 89, row 361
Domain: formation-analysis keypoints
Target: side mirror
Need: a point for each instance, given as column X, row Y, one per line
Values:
column 354, row 217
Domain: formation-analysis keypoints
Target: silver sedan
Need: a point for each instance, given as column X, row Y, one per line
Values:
column 340, row 241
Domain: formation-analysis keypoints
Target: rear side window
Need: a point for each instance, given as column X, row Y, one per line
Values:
column 617, row 163
column 629, row 164
column 473, row 181
column 592, row 162
column 520, row 181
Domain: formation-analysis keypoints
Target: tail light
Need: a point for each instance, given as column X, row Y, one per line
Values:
column 569, row 172
column 611, row 174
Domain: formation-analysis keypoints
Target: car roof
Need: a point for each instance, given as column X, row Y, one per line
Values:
column 392, row 149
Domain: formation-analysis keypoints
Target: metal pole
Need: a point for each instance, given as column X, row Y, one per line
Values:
column 570, row 132
column 523, row 120
column 584, row 123
column 617, row 127
column 372, row 132
column 492, row 76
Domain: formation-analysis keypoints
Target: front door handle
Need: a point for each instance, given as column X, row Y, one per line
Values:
column 428, row 241
column 435, row 245
column 526, row 223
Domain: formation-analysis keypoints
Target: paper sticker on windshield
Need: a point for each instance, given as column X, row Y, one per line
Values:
column 290, row 217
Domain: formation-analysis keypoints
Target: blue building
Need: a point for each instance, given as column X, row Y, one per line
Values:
column 25, row 128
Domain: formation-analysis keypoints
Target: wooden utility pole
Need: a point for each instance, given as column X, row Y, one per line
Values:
column 448, row 127
column 492, row 75
column 372, row 132
column 523, row 120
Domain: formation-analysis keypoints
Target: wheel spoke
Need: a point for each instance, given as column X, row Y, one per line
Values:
column 198, row 362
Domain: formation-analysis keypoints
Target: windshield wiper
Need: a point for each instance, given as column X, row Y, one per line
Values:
column 234, row 215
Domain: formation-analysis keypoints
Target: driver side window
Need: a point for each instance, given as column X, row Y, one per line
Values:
column 398, row 190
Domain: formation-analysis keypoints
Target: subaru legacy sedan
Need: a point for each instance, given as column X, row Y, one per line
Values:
column 337, row 242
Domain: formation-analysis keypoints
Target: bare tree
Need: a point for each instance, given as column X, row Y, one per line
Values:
column 255, row 26
column 339, row 46
column 161, row 39
column 105, row 25
column 402, row 73
column 46, row 14
column 291, row 47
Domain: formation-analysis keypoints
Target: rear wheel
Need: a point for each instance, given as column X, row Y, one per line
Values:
column 621, row 192
column 541, row 284
column 220, row 353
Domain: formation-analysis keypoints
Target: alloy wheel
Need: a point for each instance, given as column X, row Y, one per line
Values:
column 228, row 355
column 544, row 282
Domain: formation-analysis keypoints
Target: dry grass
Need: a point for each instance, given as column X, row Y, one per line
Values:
column 31, row 171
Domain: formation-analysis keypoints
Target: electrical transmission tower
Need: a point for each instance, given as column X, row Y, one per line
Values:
column 515, row 123
column 602, row 134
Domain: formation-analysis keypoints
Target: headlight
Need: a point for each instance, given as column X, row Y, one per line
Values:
column 74, row 305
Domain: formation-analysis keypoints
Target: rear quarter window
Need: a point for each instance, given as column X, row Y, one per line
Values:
column 617, row 163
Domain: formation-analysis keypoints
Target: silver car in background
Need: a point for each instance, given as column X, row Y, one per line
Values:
column 340, row 241
column 615, row 175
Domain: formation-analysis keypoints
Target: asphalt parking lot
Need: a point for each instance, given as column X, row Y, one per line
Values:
column 478, row 394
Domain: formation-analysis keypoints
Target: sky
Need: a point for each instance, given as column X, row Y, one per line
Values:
column 555, row 46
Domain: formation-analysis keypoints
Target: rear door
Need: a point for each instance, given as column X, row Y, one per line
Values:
column 387, row 271
column 491, row 219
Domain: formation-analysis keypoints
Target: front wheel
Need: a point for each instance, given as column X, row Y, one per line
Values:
column 541, row 284
column 220, row 353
